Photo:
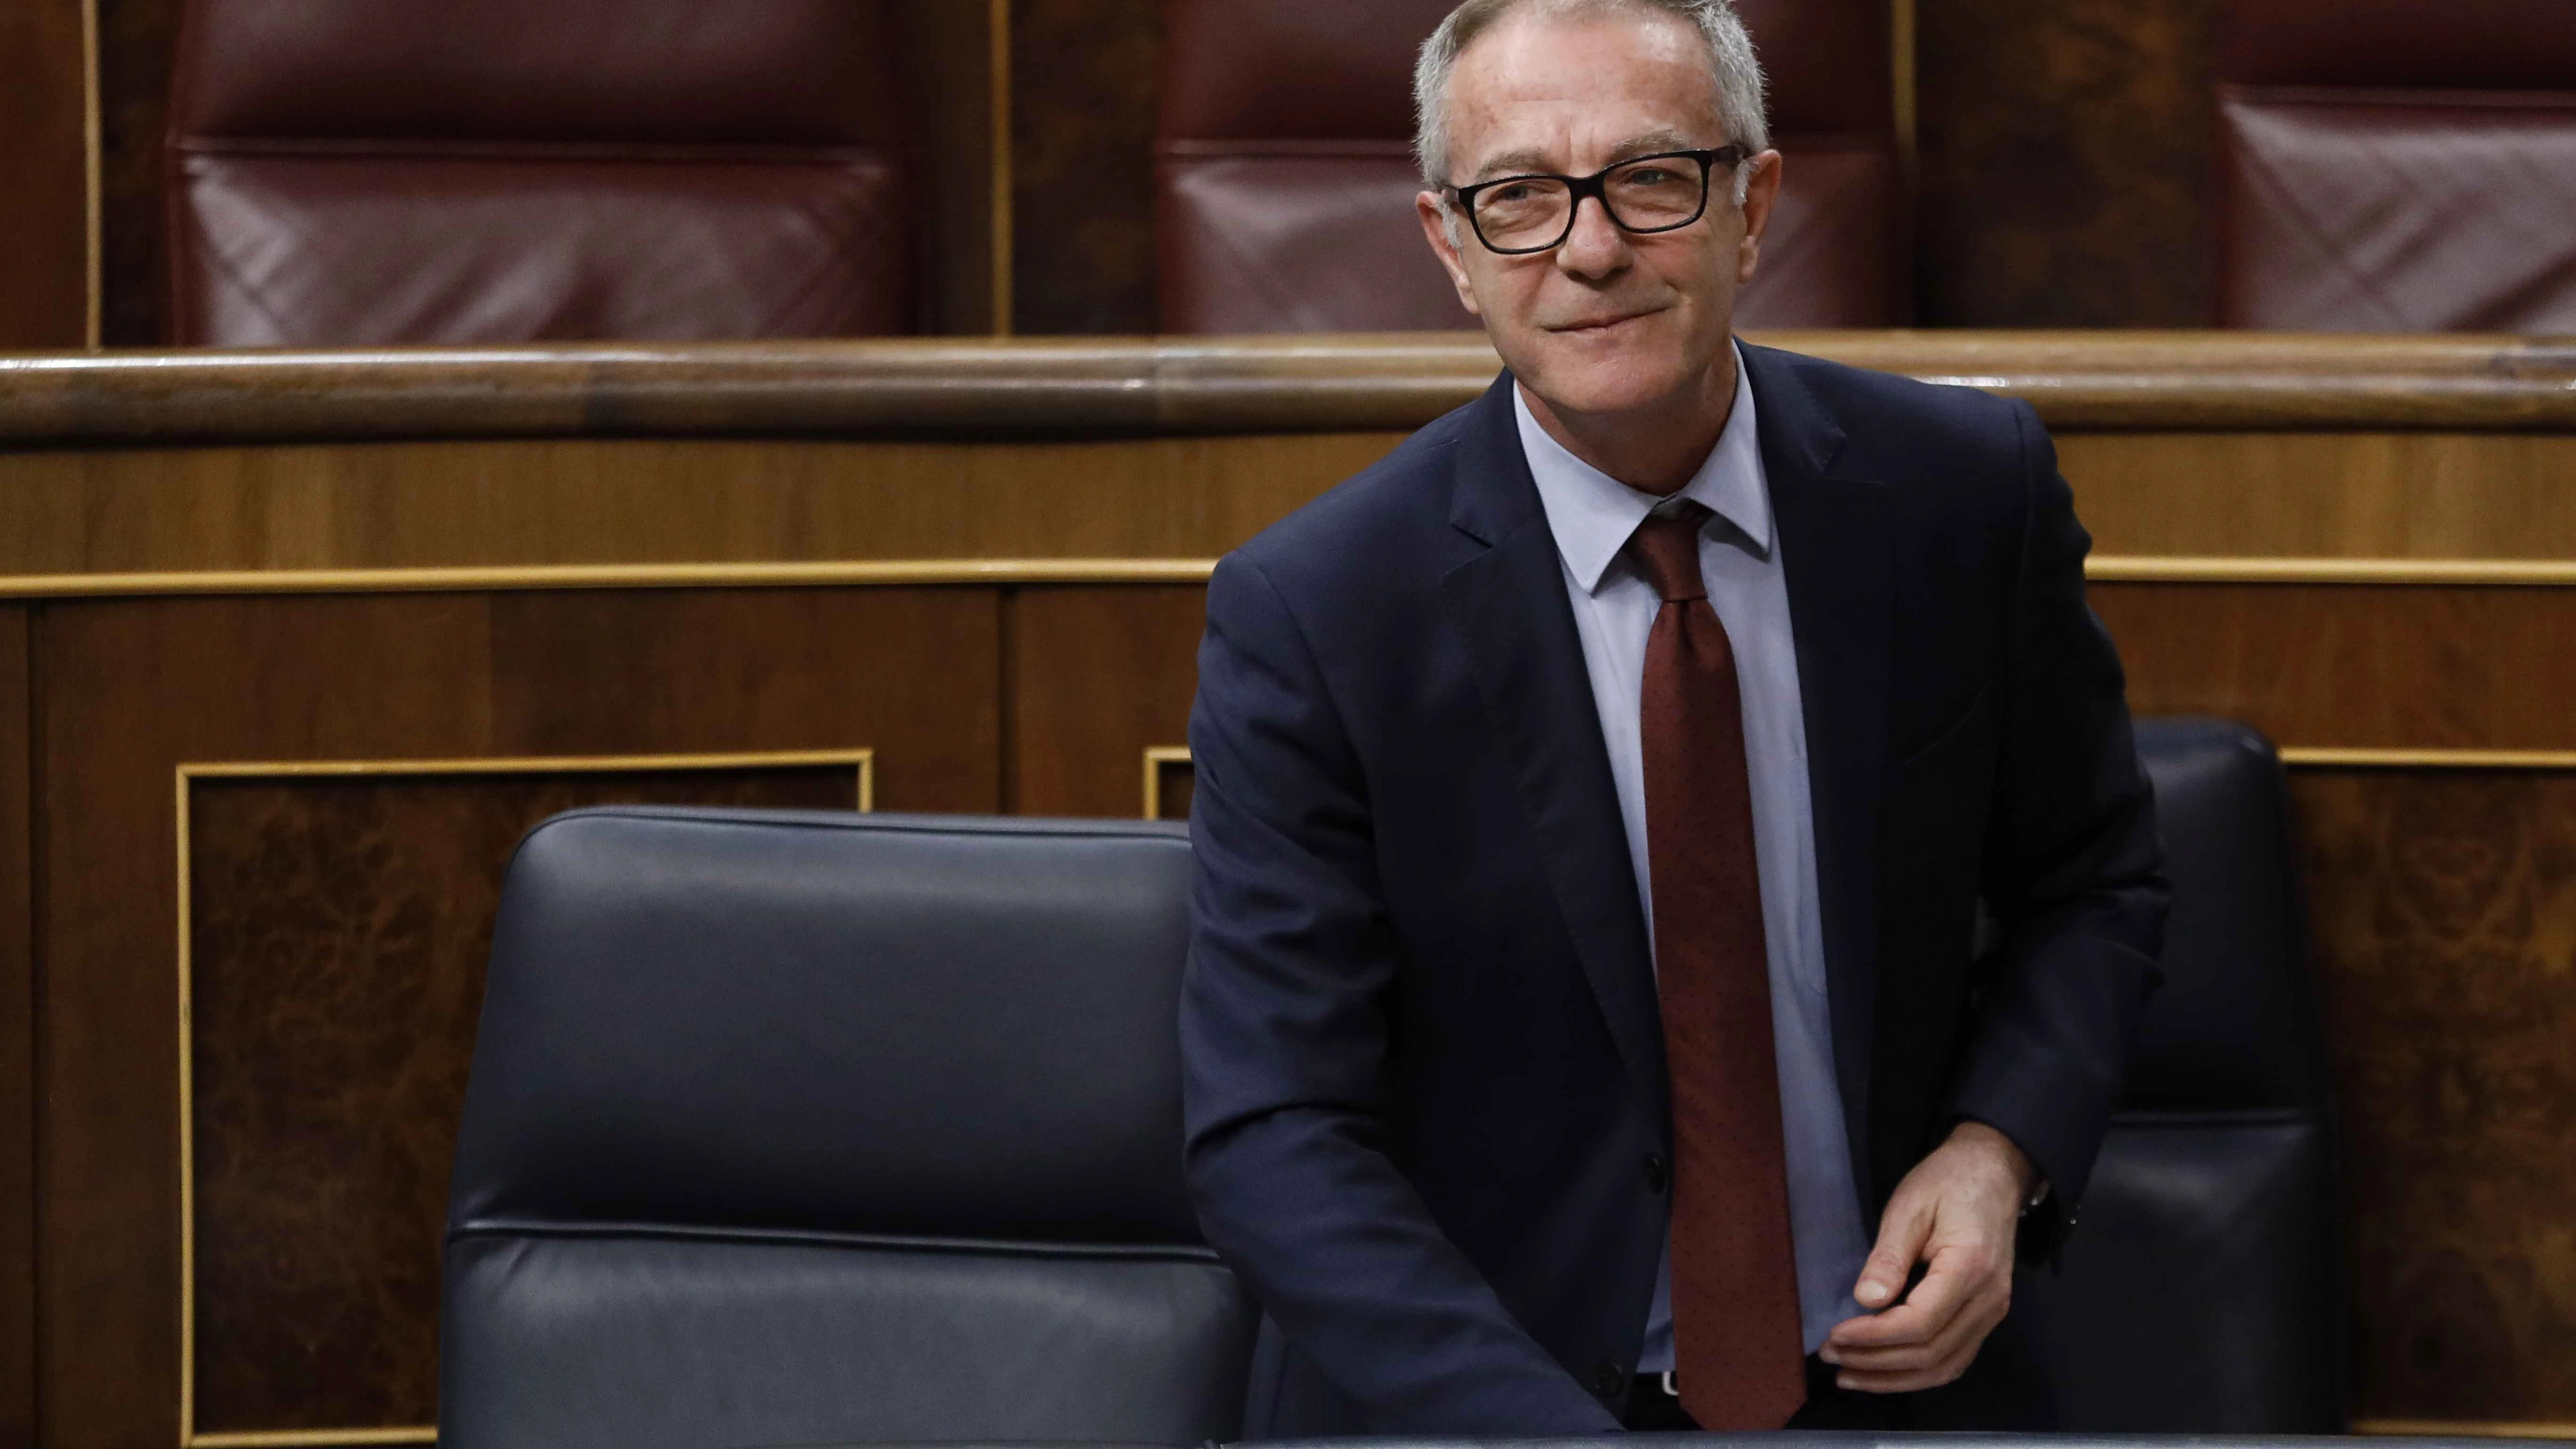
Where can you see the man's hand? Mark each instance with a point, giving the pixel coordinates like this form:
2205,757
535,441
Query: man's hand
1955,1212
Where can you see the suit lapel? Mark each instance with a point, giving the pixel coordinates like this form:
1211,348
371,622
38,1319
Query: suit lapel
1837,546
1508,603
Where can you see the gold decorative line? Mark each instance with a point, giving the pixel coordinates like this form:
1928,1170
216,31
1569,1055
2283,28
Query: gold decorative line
187,1140
615,576
2467,1428
1156,757
286,1438
2109,568
2147,568
862,760
2328,758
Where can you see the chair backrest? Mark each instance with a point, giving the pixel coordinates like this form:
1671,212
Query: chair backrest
1285,178
458,171
2398,165
791,1128
2199,1291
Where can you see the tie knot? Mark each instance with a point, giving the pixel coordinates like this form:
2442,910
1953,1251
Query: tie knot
1667,548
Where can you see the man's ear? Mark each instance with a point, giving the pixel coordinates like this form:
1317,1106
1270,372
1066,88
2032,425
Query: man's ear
1435,229
1761,192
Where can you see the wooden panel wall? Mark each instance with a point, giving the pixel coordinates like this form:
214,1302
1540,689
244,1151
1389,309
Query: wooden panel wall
44,175
909,673
2443,903
2067,162
335,979
136,40
1083,97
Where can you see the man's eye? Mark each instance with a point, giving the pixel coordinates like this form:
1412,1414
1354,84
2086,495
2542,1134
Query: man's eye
1649,176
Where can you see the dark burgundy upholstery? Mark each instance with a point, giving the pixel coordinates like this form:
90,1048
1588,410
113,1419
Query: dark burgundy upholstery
2399,165
497,171
1286,180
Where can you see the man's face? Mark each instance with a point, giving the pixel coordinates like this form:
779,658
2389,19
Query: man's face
1608,322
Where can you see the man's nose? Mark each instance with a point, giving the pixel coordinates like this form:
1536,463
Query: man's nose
1595,247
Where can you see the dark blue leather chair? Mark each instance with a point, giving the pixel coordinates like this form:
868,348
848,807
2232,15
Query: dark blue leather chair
796,1128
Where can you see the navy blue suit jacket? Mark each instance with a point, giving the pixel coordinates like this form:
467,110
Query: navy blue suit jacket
1423,1067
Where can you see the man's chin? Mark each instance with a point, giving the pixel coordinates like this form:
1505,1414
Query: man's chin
1579,381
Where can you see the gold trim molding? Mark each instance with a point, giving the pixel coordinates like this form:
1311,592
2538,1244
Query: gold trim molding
297,1438
861,761
1156,757
2152,569
512,577
2317,757
2109,568
2466,1428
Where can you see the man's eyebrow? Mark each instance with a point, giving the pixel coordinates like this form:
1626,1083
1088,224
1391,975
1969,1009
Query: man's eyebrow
1649,144
1512,163
1523,163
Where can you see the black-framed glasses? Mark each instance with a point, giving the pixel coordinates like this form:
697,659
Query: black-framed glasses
1518,215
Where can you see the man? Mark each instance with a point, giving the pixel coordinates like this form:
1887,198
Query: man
1595,805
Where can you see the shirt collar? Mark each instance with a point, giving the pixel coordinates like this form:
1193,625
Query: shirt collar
1592,514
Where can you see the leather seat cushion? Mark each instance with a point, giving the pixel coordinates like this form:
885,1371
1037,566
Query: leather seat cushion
2400,211
600,1339
340,249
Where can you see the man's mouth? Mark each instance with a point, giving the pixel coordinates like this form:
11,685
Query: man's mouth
1599,324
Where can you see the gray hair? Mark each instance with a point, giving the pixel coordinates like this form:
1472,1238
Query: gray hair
1731,62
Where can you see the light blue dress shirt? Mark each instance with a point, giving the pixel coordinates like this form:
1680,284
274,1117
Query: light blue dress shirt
1592,516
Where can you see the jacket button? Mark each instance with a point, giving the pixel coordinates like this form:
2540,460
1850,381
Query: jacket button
1609,1378
1658,1172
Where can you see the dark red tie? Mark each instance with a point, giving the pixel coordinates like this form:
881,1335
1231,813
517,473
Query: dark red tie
1740,1361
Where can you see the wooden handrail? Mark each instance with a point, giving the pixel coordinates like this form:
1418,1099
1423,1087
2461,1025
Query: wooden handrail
1094,387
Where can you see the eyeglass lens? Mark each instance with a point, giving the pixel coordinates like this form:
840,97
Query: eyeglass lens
1653,194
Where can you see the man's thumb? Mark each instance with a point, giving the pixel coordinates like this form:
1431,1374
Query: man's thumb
1900,1242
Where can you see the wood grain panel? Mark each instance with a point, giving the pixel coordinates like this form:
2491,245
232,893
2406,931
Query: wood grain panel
636,501
340,935
949,93
44,175
1098,676
2067,155
2326,495
2443,905
620,501
132,688
1083,96
137,40
912,673
17,1041
2355,666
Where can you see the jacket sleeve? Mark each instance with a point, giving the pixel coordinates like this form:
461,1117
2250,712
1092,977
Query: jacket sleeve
1283,1046
2072,871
